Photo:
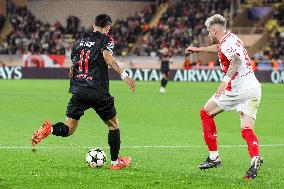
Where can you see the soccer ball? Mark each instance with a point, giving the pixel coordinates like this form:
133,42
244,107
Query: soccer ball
96,158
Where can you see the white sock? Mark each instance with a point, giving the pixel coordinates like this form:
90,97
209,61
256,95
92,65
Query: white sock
114,162
253,159
213,155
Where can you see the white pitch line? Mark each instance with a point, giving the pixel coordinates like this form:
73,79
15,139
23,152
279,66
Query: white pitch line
150,146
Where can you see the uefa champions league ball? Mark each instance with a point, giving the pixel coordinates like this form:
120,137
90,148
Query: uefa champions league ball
96,158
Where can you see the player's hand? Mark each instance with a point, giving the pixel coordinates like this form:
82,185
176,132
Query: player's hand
191,49
71,72
130,83
221,89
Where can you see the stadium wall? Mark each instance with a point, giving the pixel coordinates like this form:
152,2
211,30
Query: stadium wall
86,10
193,75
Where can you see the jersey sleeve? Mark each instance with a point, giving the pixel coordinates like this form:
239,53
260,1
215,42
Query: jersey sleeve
231,47
108,44
74,54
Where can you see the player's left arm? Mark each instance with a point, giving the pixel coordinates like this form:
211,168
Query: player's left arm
110,60
235,63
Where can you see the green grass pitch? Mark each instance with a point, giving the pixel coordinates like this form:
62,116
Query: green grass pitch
161,132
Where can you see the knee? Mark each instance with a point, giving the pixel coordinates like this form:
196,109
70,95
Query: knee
204,114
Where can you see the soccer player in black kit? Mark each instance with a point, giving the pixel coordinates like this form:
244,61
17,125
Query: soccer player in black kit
165,59
89,85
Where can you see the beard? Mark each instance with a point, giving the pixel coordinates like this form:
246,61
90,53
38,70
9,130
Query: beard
214,40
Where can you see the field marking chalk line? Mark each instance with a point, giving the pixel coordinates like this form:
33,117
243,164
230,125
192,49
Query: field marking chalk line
134,146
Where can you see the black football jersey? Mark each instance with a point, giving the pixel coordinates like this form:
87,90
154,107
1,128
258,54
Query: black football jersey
165,61
89,70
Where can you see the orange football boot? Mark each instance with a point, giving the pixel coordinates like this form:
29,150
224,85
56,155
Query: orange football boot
41,133
123,162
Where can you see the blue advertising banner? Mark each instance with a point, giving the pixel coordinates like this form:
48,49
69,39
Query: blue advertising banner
193,75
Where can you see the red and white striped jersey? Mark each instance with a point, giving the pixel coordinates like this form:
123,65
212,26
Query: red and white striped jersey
244,79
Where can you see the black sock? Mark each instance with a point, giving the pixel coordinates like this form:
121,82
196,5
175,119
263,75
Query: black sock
162,82
114,143
165,83
60,129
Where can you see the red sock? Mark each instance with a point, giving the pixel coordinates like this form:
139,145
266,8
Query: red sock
252,141
209,130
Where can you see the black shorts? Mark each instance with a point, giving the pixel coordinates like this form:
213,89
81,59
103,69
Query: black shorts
103,107
165,68
165,71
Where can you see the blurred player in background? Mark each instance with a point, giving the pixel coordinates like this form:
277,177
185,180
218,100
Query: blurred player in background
239,90
165,59
187,64
89,85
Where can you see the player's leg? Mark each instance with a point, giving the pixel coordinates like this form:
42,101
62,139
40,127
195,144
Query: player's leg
107,112
67,129
247,131
75,110
207,114
113,138
248,111
248,134
163,82
114,144
57,129
248,116
166,78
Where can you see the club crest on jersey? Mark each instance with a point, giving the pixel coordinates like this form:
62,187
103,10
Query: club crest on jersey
87,43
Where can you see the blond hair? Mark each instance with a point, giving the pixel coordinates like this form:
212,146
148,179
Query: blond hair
215,19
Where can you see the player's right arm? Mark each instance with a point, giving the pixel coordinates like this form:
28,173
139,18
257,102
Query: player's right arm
110,60
209,49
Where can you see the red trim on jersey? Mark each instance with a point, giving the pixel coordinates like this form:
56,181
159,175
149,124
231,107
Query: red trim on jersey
224,62
228,34
229,87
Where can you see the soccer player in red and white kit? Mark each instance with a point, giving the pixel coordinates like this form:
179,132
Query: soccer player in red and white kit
239,90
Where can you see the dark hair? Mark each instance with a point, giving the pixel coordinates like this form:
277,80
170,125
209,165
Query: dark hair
103,20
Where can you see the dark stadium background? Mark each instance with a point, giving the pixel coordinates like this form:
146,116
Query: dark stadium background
37,33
